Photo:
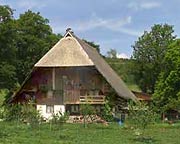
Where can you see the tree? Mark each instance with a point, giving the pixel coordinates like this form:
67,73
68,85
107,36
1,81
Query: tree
167,90
7,48
148,55
7,35
23,42
87,111
7,76
140,117
6,13
35,38
112,53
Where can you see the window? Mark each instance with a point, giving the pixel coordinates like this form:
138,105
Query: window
49,94
49,109
74,108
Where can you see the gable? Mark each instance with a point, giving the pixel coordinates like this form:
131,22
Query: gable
67,52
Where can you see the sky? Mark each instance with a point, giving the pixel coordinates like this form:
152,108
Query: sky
113,24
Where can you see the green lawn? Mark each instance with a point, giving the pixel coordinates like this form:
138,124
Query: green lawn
12,133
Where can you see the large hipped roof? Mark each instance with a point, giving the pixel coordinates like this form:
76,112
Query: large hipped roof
72,51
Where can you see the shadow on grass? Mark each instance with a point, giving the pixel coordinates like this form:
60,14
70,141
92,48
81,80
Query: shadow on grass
145,140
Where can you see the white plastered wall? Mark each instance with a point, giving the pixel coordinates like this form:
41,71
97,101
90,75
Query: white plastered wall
57,108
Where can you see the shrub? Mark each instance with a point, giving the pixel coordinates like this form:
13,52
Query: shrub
87,111
140,117
1,113
30,115
25,113
59,118
12,112
106,113
3,94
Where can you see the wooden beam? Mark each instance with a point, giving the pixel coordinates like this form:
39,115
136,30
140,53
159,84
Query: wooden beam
53,78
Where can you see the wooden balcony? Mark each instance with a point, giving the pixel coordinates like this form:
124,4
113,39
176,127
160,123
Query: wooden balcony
92,99
74,97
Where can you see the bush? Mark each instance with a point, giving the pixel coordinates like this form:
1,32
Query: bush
59,118
3,94
1,113
106,114
25,113
30,115
12,112
87,111
140,117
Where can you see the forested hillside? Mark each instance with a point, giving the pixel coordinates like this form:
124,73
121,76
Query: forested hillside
123,68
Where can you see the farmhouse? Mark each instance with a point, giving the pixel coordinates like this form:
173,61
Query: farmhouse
69,74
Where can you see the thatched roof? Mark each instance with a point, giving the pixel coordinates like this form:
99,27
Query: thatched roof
67,52
72,51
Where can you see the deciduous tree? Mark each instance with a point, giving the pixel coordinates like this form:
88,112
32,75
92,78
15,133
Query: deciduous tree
35,38
23,42
149,52
112,53
7,48
167,90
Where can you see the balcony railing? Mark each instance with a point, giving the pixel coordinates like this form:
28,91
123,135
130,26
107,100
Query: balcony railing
94,99
75,97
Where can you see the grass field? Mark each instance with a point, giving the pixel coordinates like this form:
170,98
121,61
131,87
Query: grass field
12,133
16,133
